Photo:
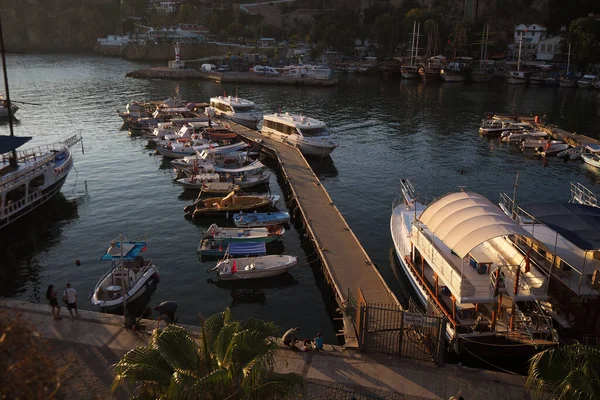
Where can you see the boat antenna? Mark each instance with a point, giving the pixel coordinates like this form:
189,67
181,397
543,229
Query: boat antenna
514,199
7,100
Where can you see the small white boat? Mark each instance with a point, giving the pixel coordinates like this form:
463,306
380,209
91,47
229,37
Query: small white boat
198,182
574,153
586,81
254,267
219,187
248,220
517,77
552,149
591,155
130,275
535,143
266,234
517,136
4,108
180,150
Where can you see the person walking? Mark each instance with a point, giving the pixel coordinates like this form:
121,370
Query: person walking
53,301
70,297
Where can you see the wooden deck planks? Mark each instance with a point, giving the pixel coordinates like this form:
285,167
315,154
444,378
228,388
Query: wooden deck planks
345,259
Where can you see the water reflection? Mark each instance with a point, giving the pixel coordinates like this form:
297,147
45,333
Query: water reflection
323,167
24,240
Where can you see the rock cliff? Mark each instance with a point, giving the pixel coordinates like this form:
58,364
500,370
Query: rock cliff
57,25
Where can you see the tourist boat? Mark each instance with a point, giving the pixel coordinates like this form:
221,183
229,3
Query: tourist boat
456,71
240,111
586,81
230,203
218,248
4,108
311,136
33,177
563,243
243,220
266,234
254,267
518,77
574,153
552,148
591,155
458,258
129,276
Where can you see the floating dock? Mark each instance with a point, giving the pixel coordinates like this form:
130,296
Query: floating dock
227,77
346,265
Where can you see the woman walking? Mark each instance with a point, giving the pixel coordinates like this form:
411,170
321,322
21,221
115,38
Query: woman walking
53,300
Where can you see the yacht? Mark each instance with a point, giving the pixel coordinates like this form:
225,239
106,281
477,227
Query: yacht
458,257
130,275
563,244
586,81
311,136
240,111
4,108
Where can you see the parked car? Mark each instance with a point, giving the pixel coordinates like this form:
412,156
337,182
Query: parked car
208,68
224,68
265,70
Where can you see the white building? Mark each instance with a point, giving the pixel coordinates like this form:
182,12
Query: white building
163,7
114,40
547,48
531,34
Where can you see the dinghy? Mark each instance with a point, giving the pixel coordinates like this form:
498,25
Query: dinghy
254,267
252,220
220,133
230,203
217,248
241,182
574,153
129,274
552,149
259,234
592,155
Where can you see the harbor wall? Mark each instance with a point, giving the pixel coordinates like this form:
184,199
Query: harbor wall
57,25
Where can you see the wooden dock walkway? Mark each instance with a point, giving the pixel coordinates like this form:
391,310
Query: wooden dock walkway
346,263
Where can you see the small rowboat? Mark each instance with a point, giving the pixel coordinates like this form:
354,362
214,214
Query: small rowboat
231,235
220,134
217,248
254,267
230,203
242,220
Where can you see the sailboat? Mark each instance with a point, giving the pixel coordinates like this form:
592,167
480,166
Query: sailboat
518,77
485,70
457,69
566,80
431,66
411,71
28,178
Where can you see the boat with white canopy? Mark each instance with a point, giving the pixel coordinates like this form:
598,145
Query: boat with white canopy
254,267
130,275
458,257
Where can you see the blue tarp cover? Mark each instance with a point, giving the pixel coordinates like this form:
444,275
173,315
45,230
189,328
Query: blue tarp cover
578,223
10,143
130,251
241,249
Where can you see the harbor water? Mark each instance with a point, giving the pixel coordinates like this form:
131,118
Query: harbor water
389,129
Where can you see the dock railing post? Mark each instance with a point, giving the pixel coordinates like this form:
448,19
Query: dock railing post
441,341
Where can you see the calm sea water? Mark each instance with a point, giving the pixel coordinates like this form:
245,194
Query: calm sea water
389,129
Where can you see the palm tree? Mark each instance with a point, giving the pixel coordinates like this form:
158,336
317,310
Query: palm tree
568,372
231,360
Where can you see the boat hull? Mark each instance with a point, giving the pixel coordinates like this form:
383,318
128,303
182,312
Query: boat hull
257,220
591,159
149,278
272,266
513,80
448,77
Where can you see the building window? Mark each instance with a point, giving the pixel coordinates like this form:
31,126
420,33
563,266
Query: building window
543,47
549,48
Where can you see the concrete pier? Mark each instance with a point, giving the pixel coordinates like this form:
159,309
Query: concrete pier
87,347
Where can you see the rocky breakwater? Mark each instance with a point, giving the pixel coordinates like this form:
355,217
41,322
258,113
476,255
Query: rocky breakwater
57,25
165,73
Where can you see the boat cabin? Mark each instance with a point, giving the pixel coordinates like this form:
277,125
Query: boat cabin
231,104
294,124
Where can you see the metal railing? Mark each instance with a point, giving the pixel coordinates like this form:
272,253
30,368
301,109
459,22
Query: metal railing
582,195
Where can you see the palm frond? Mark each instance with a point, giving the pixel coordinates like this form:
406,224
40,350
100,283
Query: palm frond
225,344
212,326
266,328
142,366
177,346
274,386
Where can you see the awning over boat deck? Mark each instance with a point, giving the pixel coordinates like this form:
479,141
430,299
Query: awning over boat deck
464,220
578,223
130,251
10,143
245,248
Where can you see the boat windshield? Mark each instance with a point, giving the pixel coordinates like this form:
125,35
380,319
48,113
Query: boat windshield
313,132
243,108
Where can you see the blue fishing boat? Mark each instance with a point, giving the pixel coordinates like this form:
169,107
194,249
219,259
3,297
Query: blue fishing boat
242,220
218,248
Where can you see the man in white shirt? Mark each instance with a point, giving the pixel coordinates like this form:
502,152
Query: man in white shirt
70,297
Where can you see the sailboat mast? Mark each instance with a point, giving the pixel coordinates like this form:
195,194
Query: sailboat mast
569,59
519,59
412,43
417,45
5,74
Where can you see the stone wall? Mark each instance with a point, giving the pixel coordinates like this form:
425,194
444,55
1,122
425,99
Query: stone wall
57,25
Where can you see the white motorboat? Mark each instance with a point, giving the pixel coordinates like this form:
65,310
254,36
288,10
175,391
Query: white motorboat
586,81
181,150
228,155
190,130
4,108
265,234
249,220
496,128
574,153
591,155
240,111
311,136
129,276
254,267
517,136
536,143
551,149
457,256
517,77
198,182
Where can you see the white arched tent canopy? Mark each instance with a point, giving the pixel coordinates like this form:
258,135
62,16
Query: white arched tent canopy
464,220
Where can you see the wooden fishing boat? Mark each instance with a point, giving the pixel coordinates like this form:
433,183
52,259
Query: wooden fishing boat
230,203
231,235
220,134
242,220
218,248
254,267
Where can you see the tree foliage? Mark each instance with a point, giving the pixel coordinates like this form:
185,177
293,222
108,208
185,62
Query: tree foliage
584,36
565,373
230,360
